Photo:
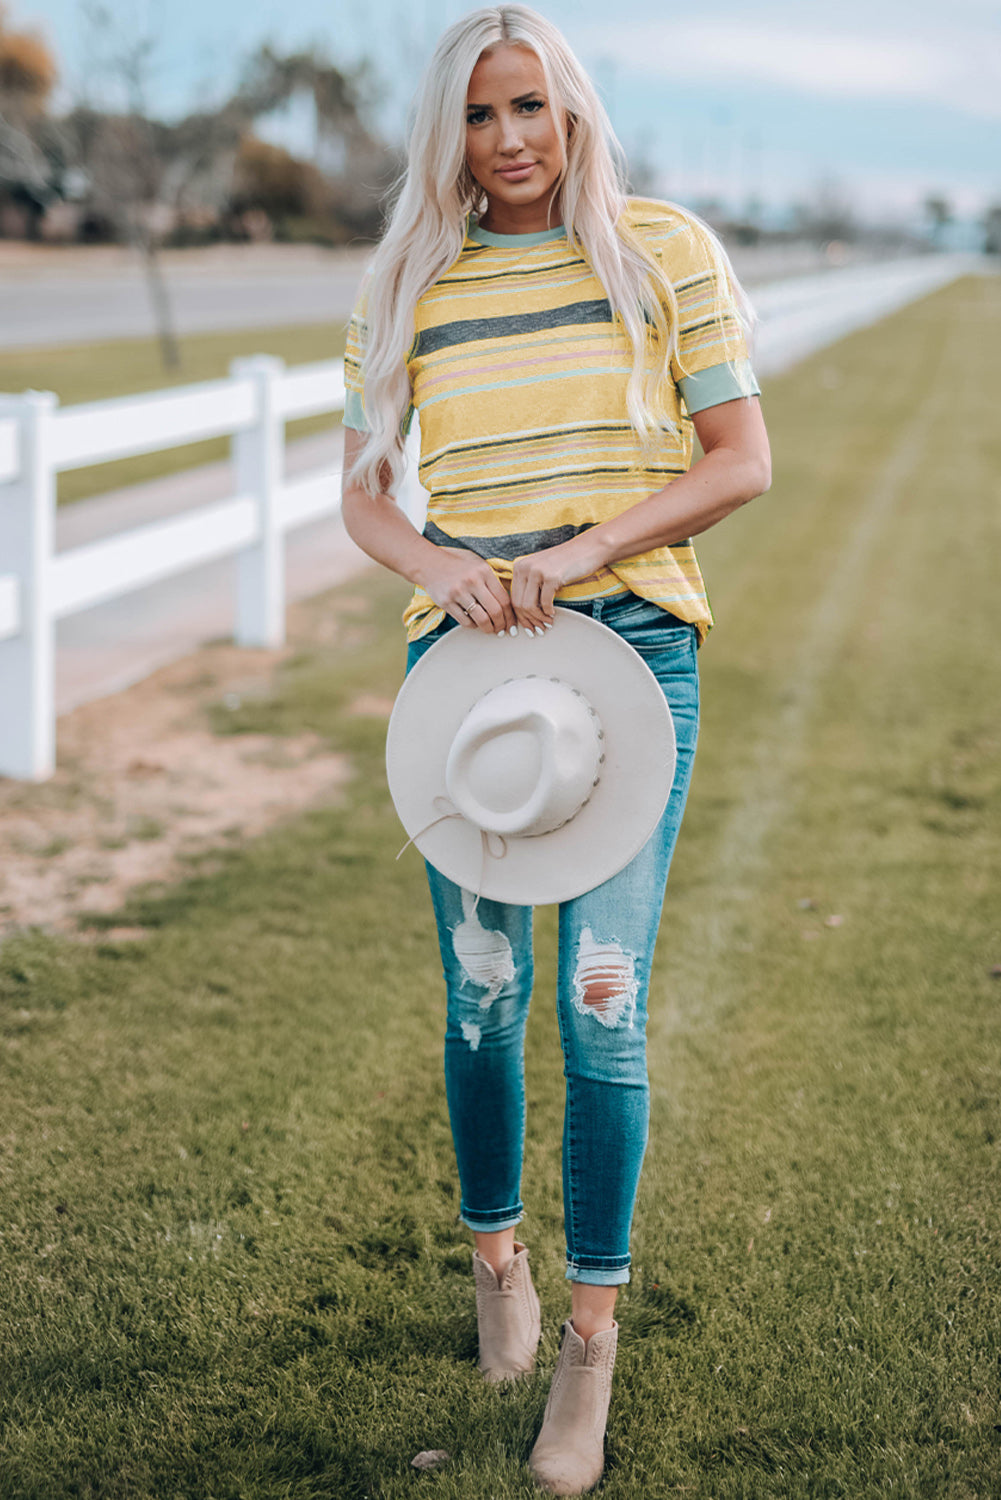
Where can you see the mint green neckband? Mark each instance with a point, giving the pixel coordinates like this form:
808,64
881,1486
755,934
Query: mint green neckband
486,237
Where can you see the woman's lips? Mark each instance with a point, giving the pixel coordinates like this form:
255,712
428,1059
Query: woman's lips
518,172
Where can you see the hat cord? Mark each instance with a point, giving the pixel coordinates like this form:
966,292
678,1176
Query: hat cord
485,836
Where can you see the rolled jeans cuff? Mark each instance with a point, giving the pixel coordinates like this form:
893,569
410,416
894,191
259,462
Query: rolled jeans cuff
601,1273
493,1220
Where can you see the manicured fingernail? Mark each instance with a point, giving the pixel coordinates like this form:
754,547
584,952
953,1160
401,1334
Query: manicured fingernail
513,630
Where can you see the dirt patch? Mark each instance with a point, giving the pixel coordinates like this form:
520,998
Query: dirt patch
371,706
143,783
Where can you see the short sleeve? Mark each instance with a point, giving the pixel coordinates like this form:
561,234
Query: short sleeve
354,357
711,364
354,361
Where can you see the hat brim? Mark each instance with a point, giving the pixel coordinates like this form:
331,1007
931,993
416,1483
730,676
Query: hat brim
626,805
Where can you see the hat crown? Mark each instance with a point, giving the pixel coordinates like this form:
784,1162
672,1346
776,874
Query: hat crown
525,758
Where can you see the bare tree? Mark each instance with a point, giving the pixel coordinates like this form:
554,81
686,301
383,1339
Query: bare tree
120,153
645,173
992,229
938,212
829,215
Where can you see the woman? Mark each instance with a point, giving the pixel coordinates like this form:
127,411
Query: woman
560,342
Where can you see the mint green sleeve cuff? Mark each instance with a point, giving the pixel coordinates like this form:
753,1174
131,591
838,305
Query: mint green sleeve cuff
718,384
354,411
354,414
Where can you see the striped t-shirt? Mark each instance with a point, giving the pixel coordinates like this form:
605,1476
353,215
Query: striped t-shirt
519,374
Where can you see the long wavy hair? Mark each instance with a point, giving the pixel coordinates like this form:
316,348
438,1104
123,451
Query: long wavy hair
437,193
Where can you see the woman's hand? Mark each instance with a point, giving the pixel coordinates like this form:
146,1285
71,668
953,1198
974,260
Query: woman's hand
458,581
467,588
735,467
537,576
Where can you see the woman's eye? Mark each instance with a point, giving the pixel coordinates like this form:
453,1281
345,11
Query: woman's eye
476,117
532,105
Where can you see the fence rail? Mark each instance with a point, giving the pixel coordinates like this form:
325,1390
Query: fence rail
38,586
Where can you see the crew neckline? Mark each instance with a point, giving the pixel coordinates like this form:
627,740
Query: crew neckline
487,236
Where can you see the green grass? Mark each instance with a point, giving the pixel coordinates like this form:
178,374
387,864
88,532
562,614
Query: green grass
126,367
229,1249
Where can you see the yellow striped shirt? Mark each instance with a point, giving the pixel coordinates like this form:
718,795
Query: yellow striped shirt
519,372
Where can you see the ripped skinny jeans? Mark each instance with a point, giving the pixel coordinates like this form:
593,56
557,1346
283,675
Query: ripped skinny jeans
606,943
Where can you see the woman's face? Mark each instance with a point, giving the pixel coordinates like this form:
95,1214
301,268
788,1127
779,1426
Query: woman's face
515,140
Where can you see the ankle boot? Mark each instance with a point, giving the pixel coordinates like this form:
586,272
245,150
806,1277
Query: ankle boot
569,1454
507,1315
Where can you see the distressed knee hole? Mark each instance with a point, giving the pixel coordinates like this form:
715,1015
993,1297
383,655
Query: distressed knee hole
485,955
605,984
472,1034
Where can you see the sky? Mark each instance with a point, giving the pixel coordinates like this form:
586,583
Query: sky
880,101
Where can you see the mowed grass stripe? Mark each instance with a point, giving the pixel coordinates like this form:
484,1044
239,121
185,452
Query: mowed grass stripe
811,629
197,1308
805,1169
814,644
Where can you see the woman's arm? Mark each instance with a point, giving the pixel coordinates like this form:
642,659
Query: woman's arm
458,581
736,466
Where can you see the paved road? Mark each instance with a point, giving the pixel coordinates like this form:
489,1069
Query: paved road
101,650
75,299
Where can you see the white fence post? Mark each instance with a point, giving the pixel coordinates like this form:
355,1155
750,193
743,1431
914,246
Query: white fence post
27,523
258,453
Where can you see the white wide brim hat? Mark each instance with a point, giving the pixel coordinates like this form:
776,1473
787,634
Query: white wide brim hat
531,769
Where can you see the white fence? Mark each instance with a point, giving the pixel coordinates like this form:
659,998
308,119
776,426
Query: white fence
39,586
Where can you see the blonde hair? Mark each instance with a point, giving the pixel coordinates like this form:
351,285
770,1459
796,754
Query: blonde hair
436,194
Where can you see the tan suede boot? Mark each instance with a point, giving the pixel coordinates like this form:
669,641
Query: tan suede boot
507,1315
569,1453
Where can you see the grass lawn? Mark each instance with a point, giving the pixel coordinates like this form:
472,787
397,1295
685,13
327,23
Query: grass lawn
125,367
229,1252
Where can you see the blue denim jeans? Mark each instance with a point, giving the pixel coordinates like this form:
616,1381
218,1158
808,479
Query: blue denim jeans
606,942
